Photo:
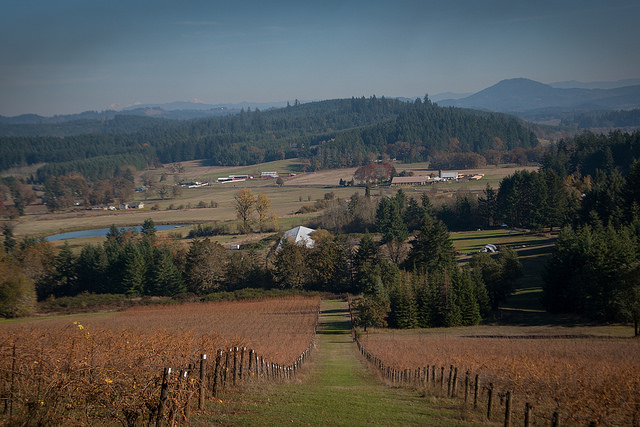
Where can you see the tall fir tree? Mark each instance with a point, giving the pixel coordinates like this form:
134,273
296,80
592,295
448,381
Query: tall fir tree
431,250
166,278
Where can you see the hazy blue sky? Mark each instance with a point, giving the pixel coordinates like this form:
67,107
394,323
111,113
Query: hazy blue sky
63,56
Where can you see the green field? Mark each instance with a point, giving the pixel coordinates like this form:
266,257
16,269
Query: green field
533,250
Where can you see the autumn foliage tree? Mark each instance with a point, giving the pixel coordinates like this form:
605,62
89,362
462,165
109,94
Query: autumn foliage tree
262,206
17,293
374,172
244,201
206,266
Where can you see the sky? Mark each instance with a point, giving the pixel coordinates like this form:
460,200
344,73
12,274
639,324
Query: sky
69,56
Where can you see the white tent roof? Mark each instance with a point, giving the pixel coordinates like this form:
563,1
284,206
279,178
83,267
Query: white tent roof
299,235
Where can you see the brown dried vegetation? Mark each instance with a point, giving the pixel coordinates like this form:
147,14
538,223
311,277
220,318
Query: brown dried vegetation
109,368
583,379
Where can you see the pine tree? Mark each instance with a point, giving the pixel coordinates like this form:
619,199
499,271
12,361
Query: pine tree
9,241
402,306
92,265
423,298
449,312
488,206
133,276
148,228
469,307
166,279
432,249
65,276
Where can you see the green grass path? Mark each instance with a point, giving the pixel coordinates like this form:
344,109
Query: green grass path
337,390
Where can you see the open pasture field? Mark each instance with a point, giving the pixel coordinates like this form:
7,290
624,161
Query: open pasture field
111,364
533,250
297,191
473,241
582,376
492,175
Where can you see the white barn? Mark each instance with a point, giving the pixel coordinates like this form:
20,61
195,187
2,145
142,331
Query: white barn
299,235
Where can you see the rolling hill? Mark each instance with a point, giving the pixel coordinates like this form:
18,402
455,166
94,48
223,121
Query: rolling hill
523,97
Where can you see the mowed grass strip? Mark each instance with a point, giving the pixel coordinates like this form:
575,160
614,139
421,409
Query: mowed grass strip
338,389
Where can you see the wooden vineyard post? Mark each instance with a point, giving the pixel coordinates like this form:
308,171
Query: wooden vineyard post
441,378
187,406
449,380
455,381
225,369
235,365
216,371
527,414
466,387
163,395
507,411
475,391
252,355
555,420
490,397
241,362
425,374
203,364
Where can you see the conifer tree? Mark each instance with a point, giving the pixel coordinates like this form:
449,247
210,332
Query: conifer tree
488,206
133,275
402,306
423,297
92,269
65,276
166,279
148,228
469,307
449,313
432,249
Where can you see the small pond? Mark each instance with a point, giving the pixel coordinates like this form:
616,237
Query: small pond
102,232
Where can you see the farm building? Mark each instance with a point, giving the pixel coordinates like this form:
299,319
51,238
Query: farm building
410,180
236,178
448,176
268,174
299,235
132,205
193,184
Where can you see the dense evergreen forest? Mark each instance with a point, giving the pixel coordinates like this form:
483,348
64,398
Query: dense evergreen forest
588,187
603,119
335,133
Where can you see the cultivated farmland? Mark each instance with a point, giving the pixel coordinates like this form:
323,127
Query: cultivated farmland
580,377
90,369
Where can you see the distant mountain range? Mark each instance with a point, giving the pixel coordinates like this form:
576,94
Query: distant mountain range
595,85
529,99
178,110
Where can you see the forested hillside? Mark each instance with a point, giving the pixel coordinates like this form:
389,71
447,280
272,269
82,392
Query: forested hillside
335,133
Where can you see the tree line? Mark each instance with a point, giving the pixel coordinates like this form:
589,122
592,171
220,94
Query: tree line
405,282
328,134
